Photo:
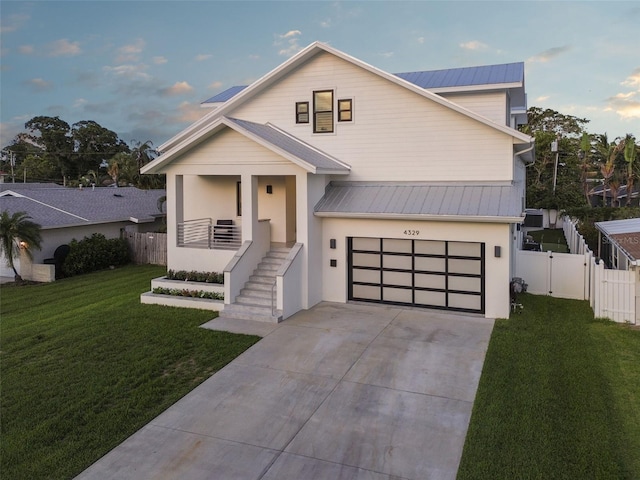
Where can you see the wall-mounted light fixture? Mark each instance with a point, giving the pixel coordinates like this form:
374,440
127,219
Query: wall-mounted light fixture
497,251
23,245
269,189
332,243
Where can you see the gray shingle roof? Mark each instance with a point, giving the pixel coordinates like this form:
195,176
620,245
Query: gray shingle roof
292,145
408,199
55,207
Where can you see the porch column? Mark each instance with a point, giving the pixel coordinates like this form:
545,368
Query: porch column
174,206
249,206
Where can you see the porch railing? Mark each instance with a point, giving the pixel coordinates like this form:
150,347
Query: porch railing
203,233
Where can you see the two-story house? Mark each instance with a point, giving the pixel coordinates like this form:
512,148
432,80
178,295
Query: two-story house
330,180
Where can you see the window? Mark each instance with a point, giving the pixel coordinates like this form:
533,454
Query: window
302,112
345,110
323,111
239,199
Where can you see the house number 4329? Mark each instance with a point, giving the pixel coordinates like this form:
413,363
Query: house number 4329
412,233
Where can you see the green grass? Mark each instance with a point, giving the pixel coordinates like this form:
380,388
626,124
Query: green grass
551,240
559,398
85,365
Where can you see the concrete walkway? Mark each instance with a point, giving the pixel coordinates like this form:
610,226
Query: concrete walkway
338,392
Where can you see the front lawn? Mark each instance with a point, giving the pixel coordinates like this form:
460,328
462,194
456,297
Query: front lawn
559,398
85,365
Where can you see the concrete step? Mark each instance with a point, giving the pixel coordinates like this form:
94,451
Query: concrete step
252,312
257,293
259,278
256,285
252,301
273,260
268,267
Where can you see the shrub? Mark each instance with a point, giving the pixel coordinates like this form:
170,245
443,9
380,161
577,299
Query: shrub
95,253
188,293
193,276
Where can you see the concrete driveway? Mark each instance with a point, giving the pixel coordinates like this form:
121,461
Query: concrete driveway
336,392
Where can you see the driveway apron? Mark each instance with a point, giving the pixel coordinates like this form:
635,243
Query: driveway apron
340,391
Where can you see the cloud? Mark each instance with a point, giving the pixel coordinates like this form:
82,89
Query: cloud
131,52
542,98
79,103
627,104
38,85
254,57
326,23
14,22
420,39
215,86
128,71
63,48
202,57
189,112
26,49
633,80
159,60
549,54
387,54
288,43
474,45
178,88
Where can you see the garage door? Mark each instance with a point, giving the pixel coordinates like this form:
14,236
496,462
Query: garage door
423,273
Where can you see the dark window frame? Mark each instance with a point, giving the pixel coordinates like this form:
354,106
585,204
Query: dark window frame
317,112
300,114
239,198
343,110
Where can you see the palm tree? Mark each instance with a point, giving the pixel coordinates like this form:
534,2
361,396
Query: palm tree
608,152
630,157
17,231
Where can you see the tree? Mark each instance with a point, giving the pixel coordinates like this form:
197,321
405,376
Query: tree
94,144
630,157
17,231
608,153
548,126
52,135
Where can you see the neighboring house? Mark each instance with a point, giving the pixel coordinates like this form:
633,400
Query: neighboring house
403,189
619,243
68,213
595,196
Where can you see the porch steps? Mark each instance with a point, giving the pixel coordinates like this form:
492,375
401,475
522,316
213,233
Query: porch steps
255,299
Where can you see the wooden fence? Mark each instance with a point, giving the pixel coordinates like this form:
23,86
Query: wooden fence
611,293
147,248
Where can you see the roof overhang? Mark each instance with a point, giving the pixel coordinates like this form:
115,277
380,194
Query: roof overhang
422,217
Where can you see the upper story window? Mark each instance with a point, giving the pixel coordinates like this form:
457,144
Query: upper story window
345,110
302,112
323,111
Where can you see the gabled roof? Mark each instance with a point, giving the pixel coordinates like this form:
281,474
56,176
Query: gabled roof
192,132
56,207
278,141
484,77
439,201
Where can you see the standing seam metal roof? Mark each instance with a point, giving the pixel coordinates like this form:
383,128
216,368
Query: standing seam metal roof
421,199
447,78
291,145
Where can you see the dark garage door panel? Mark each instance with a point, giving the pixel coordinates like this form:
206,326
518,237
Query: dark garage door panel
428,273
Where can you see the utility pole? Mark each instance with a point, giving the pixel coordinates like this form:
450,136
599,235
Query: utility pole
554,148
12,162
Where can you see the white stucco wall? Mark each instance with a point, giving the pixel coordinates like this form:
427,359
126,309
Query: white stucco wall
497,275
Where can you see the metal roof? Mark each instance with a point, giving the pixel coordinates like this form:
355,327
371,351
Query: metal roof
507,73
292,145
422,199
56,207
226,95
612,227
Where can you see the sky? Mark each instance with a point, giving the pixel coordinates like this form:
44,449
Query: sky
142,68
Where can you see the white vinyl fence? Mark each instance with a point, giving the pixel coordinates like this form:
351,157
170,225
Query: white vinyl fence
611,293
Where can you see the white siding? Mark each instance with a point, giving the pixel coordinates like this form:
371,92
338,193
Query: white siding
396,134
492,105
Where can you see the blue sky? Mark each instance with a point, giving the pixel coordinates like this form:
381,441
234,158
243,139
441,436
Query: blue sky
141,68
